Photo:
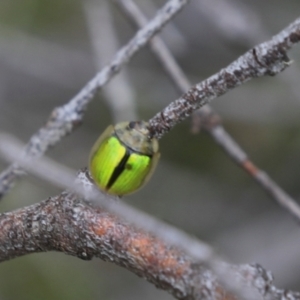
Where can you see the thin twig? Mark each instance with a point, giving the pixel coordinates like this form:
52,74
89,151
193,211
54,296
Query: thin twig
64,119
208,118
268,58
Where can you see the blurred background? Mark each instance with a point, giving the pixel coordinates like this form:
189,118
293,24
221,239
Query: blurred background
50,49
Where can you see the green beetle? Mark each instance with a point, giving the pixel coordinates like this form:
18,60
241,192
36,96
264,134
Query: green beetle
124,158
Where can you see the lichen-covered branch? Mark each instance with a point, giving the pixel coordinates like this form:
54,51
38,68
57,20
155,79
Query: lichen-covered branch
64,223
63,120
268,58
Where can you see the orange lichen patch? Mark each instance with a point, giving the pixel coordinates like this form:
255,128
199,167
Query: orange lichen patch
139,245
103,226
177,267
250,167
154,254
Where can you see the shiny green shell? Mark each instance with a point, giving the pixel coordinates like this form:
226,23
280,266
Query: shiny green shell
124,158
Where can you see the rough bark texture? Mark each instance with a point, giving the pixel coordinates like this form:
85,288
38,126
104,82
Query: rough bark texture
269,58
66,224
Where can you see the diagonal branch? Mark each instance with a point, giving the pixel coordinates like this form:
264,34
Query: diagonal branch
268,58
64,119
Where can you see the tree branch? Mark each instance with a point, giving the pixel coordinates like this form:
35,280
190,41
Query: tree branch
268,58
66,224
